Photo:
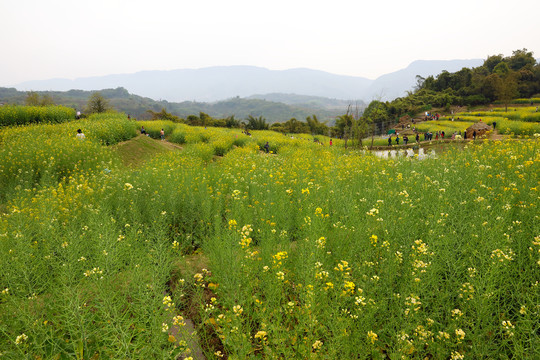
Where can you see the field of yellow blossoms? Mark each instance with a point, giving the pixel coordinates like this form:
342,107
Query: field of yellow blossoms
516,122
306,252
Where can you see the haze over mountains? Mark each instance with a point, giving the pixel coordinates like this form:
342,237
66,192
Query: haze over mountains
224,82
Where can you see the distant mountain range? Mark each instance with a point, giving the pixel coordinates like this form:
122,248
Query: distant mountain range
224,82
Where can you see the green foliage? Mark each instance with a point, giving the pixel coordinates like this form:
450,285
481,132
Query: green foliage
507,89
231,122
470,86
97,103
164,115
256,123
153,128
501,69
294,126
315,126
344,124
178,136
32,99
378,114
21,115
499,78
492,61
521,59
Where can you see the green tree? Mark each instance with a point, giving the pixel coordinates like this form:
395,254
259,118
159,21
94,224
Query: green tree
46,100
315,126
377,117
277,127
256,123
193,120
507,89
501,69
492,61
163,115
520,59
419,82
32,98
206,119
97,104
490,84
231,122
344,125
296,127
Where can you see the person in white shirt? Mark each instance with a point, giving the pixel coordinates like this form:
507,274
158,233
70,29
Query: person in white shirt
80,135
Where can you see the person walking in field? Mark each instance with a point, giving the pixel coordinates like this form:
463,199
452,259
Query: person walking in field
330,142
80,135
417,138
390,140
266,148
162,134
405,139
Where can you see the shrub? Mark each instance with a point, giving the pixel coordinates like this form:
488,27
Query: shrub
178,136
153,127
22,115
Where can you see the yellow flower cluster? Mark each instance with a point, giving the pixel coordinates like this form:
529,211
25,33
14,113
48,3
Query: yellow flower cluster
372,337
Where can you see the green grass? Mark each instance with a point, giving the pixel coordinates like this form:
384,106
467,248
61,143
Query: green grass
136,151
445,124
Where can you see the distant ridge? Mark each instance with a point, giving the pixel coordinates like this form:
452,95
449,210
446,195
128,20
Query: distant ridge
396,84
225,82
299,106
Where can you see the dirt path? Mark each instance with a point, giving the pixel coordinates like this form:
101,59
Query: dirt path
496,136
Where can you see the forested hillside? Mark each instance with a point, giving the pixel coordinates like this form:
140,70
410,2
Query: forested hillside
137,106
498,79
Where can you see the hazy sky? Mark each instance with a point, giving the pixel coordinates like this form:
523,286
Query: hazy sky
43,39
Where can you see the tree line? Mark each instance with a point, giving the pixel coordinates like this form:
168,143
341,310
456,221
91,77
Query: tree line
499,79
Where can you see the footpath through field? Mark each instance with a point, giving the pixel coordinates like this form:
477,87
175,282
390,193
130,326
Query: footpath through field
139,149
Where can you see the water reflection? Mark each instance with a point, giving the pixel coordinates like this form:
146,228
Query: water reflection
406,153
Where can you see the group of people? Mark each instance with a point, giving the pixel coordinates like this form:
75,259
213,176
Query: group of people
438,135
405,139
429,116
161,133
428,136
